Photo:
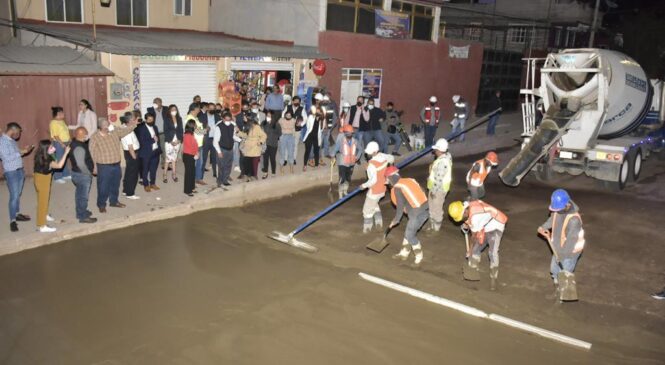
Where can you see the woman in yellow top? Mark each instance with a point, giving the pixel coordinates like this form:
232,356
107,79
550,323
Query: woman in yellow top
254,140
59,132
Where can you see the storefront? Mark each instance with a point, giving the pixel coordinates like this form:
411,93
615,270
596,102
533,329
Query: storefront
261,72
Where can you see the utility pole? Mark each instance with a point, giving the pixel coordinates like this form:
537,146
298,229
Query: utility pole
593,24
94,29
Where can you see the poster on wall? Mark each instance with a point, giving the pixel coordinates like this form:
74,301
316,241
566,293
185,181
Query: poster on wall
458,52
372,84
392,25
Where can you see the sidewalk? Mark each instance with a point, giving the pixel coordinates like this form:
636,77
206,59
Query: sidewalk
170,202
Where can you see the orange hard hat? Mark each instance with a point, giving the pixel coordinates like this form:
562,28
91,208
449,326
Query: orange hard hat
391,170
347,128
492,157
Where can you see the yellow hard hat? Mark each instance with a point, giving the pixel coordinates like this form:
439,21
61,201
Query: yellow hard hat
456,211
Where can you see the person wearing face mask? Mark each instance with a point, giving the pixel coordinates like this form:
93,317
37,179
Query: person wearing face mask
211,119
344,116
430,115
82,167
59,132
393,128
240,125
312,137
260,116
273,132
161,114
148,136
223,143
287,141
372,119
12,164
348,151
45,163
299,116
355,117
130,147
173,134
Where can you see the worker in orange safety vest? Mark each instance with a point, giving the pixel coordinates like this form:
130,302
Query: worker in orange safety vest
410,199
348,150
475,178
375,186
486,224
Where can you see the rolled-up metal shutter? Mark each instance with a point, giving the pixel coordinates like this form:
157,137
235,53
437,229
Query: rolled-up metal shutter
177,83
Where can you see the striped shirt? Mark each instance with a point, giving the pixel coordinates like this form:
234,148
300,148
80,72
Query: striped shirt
106,148
10,154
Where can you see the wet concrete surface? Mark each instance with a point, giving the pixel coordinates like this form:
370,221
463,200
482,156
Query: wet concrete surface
210,288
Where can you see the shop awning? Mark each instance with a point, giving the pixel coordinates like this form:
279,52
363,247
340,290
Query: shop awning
48,61
164,42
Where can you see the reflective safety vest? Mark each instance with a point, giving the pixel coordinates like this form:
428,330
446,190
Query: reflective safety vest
477,178
380,186
480,207
411,190
349,152
447,178
428,113
460,109
579,244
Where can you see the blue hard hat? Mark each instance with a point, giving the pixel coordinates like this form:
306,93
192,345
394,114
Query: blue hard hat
560,199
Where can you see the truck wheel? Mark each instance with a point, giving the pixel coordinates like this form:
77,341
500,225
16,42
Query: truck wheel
634,158
621,181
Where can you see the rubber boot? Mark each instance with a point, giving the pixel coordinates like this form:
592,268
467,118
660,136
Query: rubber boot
436,226
404,252
378,220
494,275
340,191
367,225
418,252
470,270
567,286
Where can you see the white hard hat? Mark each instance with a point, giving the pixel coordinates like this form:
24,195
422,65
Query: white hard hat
433,99
372,148
441,145
326,98
455,98
318,96
346,105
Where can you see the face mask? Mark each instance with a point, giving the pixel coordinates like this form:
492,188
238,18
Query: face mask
174,113
370,107
295,105
255,111
345,110
227,122
51,150
111,127
432,104
348,136
155,106
359,103
390,109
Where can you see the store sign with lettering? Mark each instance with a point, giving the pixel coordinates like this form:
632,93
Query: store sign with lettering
179,58
263,59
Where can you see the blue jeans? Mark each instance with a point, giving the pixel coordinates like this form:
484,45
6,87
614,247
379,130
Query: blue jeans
430,133
458,126
287,148
199,165
82,182
64,172
325,145
491,125
395,138
377,135
15,180
568,264
236,154
108,184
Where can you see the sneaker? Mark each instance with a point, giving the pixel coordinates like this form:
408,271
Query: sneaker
47,229
659,296
236,169
49,218
67,177
13,226
134,197
60,181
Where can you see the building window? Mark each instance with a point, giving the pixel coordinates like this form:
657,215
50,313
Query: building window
356,16
421,18
64,11
517,34
132,12
473,32
183,7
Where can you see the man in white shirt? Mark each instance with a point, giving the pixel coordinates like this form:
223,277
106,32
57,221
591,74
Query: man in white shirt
375,185
130,147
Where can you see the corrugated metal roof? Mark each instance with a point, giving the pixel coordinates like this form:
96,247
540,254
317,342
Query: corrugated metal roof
147,42
20,60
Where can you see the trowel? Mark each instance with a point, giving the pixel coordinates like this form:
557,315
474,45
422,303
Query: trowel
379,244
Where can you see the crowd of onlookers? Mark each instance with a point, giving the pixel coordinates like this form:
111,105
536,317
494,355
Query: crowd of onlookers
263,136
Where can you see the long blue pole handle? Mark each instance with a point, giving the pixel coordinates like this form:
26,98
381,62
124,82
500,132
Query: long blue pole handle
404,163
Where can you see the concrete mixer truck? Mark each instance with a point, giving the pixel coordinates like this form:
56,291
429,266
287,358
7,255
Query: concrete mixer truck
602,117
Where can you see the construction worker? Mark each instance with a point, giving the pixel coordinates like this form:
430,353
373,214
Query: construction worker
563,230
375,185
348,151
408,197
430,115
461,112
438,182
486,224
475,178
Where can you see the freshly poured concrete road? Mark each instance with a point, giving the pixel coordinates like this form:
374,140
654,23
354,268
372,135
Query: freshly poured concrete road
207,289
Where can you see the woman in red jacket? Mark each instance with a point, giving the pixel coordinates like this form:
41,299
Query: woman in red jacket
190,154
